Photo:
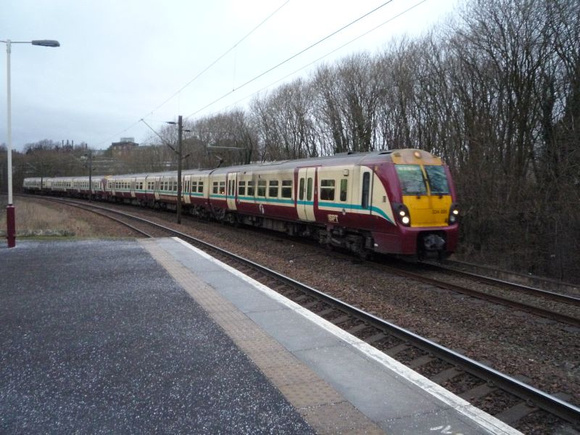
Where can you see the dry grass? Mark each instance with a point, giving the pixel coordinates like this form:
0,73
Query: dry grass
35,219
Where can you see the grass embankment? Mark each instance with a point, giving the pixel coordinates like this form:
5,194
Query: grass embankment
37,219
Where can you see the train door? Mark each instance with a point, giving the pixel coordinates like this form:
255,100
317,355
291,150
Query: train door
186,189
156,188
305,197
366,193
231,183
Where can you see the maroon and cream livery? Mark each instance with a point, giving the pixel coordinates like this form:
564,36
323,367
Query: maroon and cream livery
394,202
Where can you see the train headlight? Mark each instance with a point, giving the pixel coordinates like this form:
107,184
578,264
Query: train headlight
402,213
453,214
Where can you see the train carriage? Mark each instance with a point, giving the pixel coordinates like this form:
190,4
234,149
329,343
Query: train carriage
33,184
196,192
396,202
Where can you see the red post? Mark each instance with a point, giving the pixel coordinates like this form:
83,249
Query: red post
10,226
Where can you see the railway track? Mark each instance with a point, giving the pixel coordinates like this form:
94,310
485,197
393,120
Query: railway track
508,398
518,287
562,308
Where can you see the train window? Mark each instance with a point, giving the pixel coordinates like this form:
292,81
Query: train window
301,193
286,188
343,189
194,186
242,188
327,190
411,179
437,180
261,187
200,187
222,187
215,188
309,190
366,188
250,188
273,189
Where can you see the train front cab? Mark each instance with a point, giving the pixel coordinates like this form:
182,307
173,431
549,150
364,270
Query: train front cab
424,207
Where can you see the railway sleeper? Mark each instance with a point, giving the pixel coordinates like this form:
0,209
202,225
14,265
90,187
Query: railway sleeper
397,349
447,375
421,361
478,392
516,413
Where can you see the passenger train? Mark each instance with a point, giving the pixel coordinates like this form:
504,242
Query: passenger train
400,202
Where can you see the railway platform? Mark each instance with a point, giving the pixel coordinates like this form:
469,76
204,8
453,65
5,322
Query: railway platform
150,336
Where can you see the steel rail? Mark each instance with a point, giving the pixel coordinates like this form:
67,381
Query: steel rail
574,321
546,294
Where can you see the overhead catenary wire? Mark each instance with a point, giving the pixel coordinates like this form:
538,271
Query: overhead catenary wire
284,61
217,59
327,54
265,20
292,57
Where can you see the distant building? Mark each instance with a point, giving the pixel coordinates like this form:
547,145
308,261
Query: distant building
124,147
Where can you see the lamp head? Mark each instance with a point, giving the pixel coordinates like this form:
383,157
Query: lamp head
46,43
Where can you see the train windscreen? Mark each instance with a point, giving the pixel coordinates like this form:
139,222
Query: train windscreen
411,179
413,182
437,180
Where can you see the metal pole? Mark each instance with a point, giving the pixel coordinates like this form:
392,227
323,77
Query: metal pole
90,175
10,211
179,152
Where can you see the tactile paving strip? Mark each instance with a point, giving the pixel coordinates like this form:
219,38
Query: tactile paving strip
323,408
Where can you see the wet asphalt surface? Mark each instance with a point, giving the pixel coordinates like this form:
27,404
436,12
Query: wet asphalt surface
96,337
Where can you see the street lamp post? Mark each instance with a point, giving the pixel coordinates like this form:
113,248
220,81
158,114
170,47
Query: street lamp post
10,211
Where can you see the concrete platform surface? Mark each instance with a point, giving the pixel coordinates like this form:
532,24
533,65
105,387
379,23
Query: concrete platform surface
156,336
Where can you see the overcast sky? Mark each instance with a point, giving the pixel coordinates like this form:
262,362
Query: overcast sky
125,60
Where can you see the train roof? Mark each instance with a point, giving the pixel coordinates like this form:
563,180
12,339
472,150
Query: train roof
397,156
405,156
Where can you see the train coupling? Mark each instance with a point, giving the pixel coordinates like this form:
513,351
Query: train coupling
433,242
